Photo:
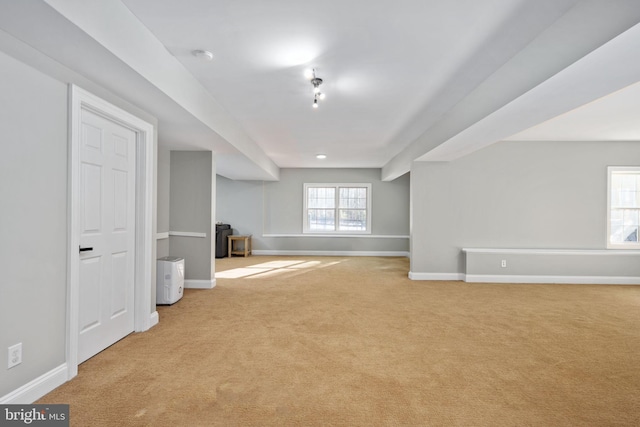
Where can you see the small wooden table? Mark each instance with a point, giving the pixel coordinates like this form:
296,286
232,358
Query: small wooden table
233,250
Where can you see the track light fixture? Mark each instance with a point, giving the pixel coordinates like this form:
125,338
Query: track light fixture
316,82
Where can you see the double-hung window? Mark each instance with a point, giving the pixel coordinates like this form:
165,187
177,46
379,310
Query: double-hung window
623,216
337,208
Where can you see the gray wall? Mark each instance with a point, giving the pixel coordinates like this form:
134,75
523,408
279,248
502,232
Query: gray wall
192,189
34,218
33,221
164,180
537,195
275,207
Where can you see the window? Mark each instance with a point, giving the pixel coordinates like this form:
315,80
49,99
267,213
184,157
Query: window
623,216
337,208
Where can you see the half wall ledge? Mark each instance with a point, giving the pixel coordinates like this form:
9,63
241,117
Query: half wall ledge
579,266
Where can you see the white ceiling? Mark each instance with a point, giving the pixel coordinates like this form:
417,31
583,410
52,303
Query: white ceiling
380,61
404,79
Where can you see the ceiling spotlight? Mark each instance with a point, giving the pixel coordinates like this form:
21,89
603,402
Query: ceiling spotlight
203,54
316,82
321,156
308,73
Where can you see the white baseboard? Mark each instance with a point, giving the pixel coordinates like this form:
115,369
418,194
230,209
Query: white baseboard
486,278
200,284
436,276
579,280
331,253
37,388
154,319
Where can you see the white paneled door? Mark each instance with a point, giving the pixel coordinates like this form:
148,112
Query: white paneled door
106,233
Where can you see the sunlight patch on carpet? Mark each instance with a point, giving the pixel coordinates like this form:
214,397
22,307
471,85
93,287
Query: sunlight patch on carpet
238,273
273,268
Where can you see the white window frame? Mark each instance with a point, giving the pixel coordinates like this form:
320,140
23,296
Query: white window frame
611,170
337,186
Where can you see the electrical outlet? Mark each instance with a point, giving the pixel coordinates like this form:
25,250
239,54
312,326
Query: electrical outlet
14,355
503,264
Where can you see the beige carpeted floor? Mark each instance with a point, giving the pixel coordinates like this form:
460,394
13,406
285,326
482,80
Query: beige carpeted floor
336,341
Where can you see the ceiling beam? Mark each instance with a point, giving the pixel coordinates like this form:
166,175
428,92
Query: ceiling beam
111,27
581,30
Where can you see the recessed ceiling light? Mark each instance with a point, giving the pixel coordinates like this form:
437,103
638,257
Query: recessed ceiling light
203,54
321,156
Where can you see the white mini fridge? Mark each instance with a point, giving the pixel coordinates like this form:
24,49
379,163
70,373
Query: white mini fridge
169,279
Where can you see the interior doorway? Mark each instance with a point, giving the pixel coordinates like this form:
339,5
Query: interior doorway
90,304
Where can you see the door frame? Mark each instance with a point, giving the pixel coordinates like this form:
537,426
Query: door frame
80,99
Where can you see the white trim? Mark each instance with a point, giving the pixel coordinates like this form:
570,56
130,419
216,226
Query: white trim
599,252
610,170
200,284
187,234
330,253
579,280
365,236
37,388
436,276
80,99
154,319
161,236
145,208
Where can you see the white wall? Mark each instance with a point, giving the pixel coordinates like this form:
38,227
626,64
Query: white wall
269,210
33,221
531,195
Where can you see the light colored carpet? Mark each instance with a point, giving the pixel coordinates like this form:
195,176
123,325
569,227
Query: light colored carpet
336,341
